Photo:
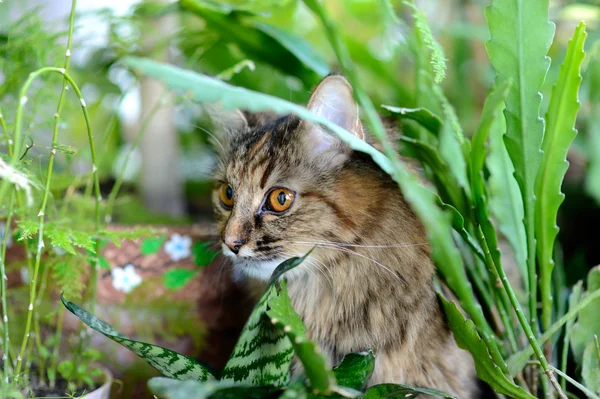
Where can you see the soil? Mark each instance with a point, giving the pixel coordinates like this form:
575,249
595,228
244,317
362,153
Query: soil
61,389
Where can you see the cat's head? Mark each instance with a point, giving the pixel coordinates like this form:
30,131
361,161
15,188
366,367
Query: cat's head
283,185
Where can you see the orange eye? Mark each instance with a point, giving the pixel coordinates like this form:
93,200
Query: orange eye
226,195
280,200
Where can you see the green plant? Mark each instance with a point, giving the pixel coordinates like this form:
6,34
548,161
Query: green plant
468,180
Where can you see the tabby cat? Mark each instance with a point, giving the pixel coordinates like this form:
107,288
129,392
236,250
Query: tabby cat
284,186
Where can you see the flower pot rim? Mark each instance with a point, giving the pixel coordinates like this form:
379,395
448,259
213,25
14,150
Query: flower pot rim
105,387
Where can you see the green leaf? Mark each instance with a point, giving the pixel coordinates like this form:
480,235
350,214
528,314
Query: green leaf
208,90
152,245
203,255
590,369
588,323
175,279
505,201
282,315
283,51
521,35
174,389
170,364
422,116
297,46
399,391
355,370
263,353
560,132
286,266
467,338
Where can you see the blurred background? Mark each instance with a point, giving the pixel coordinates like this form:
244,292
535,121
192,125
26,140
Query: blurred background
154,143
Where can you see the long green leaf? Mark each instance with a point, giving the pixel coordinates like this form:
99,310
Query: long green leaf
170,364
560,132
205,89
506,203
521,35
493,103
282,315
467,338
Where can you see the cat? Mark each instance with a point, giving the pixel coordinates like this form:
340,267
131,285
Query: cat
284,186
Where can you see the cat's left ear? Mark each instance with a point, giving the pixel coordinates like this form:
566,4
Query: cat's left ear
333,101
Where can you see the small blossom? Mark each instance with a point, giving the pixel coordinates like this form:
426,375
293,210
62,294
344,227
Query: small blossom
125,279
179,247
3,230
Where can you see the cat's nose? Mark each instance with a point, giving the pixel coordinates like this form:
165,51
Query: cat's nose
234,244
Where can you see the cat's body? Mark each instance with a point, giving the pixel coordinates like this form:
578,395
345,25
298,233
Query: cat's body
286,186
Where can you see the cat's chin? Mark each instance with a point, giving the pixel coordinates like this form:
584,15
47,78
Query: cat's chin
255,269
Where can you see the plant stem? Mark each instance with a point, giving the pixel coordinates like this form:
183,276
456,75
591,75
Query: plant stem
5,337
18,124
522,319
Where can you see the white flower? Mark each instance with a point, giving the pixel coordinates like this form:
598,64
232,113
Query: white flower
179,247
3,230
125,279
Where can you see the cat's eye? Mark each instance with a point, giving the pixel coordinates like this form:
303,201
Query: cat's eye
226,195
279,200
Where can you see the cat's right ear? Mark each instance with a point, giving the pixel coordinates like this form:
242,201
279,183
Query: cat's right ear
226,124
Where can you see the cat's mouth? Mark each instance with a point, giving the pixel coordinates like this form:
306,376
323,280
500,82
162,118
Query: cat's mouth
249,264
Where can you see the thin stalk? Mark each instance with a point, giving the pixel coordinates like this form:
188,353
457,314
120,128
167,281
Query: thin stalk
400,173
597,347
577,385
5,335
523,320
18,128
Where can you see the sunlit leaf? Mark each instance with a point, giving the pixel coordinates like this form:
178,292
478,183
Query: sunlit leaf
355,369
152,245
422,116
175,279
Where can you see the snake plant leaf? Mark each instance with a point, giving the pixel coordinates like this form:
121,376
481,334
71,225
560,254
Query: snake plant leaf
263,353
505,201
590,368
205,89
560,132
170,364
282,315
288,53
355,369
422,116
174,389
588,322
399,391
468,338
521,35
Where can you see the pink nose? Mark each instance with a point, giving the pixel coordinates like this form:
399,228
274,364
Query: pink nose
234,244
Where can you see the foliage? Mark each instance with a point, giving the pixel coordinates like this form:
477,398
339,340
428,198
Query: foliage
493,143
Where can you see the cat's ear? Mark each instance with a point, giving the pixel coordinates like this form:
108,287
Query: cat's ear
333,101
226,125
